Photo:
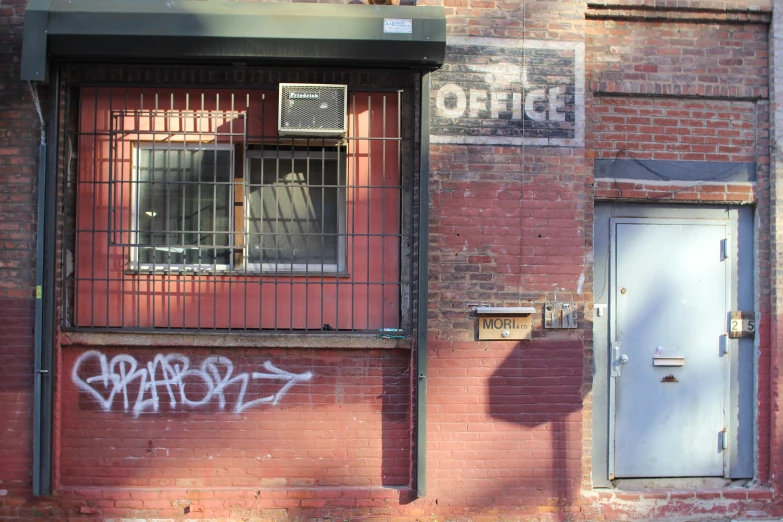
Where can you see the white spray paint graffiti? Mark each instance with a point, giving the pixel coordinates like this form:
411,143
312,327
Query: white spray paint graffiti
170,372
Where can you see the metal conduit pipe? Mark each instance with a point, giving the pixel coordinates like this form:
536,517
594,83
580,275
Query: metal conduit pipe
44,299
421,325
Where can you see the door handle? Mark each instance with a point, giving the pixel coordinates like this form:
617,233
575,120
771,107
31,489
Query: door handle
617,359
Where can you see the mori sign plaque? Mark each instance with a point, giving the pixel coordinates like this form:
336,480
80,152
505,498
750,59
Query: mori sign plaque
505,91
505,328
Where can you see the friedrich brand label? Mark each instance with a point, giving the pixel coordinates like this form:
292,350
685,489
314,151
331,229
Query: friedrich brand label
398,25
504,91
303,95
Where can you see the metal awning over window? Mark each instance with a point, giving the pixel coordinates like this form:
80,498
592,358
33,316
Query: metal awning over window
214,31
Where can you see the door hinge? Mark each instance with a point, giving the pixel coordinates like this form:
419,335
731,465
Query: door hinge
724,344
724,249
724,439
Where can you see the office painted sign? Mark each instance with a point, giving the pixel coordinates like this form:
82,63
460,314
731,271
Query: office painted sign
500,91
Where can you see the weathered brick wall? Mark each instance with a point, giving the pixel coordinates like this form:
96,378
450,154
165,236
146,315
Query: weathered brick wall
235,418
684,5
673,129
511,224
19,135
507,228
505,424
16,418
678,59
770,420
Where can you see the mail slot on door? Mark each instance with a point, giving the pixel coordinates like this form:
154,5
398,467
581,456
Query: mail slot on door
668,361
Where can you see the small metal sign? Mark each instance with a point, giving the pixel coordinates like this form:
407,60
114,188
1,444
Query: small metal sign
560,315
293,95
505,328
742,324
398,25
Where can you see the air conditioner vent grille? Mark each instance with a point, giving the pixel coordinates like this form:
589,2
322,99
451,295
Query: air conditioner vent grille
312,110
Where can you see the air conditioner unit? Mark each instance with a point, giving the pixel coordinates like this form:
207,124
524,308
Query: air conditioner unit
308,109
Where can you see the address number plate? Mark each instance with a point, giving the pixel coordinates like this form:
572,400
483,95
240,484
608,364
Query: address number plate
505,328
742,324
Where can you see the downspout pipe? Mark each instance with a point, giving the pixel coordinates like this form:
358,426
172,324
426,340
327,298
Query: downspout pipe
38,366
45,268
423,297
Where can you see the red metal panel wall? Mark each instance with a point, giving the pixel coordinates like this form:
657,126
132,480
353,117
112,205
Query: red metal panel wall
108,296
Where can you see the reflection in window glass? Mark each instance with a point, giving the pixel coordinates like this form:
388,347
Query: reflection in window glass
183,210
294,211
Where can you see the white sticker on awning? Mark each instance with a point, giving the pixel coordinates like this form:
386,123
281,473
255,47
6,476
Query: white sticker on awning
398,25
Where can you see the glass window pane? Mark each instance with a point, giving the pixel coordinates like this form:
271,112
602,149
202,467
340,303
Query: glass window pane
184,204
293,214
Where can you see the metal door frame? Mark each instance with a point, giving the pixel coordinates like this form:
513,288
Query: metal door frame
612,310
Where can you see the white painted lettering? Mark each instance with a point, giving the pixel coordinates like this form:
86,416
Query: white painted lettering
516,106
532,97
478,102
460,103
497,103
174,374
555,103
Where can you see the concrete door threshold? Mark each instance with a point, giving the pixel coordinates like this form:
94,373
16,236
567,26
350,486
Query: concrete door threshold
669,492
683,483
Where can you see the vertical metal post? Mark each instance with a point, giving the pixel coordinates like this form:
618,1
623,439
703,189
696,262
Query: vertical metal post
39,271
421,326
45,283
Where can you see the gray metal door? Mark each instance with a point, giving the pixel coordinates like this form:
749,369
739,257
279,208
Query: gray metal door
669,385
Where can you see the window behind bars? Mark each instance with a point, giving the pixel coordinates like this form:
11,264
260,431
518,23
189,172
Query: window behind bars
191,212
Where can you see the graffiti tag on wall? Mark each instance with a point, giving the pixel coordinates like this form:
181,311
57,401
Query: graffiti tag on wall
172,379
503,91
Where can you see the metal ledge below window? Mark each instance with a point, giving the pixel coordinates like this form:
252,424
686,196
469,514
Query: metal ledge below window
231,272
234,339
216,31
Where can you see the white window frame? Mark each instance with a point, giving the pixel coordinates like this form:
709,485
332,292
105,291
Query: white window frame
314,154
180,267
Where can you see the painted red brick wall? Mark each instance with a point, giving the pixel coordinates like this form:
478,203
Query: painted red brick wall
346,423
17,319
505,423
19,134
508,227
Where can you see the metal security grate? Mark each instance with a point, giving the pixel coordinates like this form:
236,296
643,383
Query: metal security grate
309,109
185,209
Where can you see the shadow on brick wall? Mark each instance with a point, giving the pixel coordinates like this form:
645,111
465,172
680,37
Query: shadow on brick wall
538,389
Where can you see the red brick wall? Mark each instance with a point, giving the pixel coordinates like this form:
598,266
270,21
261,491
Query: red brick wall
347,423
678,59
673,129
770,420
19,134
505,423
508,227
509,422
17,318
